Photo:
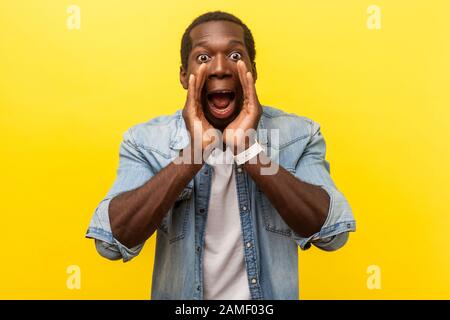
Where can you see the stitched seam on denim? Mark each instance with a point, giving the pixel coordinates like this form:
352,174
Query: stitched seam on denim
165,230
334,230
288,115
203,231
183,232
243,183
286,144
340,226
148,148
101,233
241,217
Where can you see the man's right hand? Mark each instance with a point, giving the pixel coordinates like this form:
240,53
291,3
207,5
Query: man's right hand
135,214
196,123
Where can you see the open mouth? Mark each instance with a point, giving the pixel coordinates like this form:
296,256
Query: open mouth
221,103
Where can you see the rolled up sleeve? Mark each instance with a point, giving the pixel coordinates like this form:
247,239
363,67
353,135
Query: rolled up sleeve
314,169
133,172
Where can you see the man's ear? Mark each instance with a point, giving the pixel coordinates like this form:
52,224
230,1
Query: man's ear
255,73
183,78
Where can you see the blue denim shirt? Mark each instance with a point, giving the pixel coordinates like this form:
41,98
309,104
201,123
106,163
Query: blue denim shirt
270,245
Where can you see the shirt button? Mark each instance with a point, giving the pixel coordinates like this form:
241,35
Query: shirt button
239,169
202,210
198,249
253,280
198,288
249,244
244,208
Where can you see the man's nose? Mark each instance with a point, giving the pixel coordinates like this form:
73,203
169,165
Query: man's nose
219,68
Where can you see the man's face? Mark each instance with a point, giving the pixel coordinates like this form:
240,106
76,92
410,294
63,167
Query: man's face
218,44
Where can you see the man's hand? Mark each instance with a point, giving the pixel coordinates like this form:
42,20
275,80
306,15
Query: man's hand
238,134
135,214
196,123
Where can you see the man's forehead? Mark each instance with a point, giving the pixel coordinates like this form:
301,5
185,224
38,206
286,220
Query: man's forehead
215,30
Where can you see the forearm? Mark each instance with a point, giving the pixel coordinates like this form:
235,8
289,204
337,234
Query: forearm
135,215
303,206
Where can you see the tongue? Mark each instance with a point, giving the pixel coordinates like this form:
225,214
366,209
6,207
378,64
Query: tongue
220,100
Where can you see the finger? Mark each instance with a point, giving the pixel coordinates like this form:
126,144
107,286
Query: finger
191,91
242,78
200,82
253,99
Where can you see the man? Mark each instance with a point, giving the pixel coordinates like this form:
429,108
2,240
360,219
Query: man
228,221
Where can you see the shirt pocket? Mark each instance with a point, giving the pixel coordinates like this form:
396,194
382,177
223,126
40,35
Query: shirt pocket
174,223
272,219
288,155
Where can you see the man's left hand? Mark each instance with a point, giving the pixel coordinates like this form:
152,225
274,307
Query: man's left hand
238,135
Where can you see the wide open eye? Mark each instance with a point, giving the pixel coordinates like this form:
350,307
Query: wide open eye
235,56
203,58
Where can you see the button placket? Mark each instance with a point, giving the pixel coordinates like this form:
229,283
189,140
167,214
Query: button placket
248,236
202,200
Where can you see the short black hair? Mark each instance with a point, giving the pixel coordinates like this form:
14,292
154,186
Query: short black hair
186,44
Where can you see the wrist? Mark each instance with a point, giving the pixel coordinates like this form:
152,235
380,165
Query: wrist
249,154
238,147
191,156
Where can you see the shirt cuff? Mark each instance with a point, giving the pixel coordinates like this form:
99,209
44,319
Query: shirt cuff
328,238
331,243
110,247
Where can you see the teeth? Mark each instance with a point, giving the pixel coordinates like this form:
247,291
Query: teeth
222,91
222,111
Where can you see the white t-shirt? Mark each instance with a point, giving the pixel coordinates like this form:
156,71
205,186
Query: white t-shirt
224,273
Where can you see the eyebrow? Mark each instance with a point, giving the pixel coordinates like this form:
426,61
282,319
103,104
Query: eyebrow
204,43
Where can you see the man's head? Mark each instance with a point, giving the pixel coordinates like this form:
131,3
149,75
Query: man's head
219,40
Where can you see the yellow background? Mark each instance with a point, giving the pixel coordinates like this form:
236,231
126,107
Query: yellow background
381,96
